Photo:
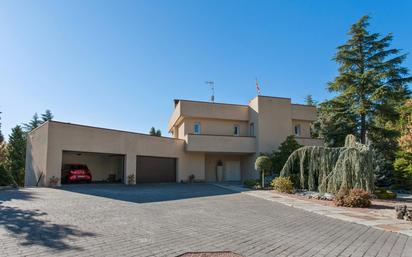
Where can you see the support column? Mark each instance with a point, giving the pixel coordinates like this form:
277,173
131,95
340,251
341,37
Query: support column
130,168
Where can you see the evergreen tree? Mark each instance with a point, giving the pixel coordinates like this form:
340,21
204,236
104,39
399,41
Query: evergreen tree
371,87
16,154
1,134
335,121
47,116
371,78
2,146
280,157
309,100
33,123
154,132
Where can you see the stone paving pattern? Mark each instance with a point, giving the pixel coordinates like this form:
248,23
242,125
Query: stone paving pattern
172,219
380,218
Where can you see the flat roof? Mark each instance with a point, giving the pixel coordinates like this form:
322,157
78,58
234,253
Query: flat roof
109,129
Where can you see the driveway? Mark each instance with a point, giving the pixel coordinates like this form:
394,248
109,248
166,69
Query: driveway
171,219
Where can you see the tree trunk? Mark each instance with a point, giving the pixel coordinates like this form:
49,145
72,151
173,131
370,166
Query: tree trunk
363,129
263,179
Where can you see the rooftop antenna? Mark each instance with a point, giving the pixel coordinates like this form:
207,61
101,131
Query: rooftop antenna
211,84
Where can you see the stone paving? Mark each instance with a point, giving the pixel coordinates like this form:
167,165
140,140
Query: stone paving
377,218
172,219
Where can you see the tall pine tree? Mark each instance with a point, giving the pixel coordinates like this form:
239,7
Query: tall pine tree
47,116
2,146
33,123
371,87
16,154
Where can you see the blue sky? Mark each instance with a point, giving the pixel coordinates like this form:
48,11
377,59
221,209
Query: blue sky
120,64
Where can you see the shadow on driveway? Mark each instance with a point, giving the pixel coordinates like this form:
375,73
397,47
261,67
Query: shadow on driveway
146,193
31,226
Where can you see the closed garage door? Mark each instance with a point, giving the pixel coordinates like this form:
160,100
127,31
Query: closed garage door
152,169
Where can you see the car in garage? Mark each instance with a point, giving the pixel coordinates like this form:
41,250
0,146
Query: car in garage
75,173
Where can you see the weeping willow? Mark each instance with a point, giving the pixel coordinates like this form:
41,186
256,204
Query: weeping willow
331,169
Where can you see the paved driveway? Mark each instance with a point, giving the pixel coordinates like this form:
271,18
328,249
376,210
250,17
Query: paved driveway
171,219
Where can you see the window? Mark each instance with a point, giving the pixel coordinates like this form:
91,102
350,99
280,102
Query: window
236,130
252,129
297,130
196,128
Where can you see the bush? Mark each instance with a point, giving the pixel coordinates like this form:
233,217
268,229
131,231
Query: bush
6,179
263,165
251,183
382,193
280,156
282,184
356,198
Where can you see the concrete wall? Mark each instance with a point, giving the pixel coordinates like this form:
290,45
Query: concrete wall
212,159
70,137
274,122
36,156
207,110
215,126
220,144
304,127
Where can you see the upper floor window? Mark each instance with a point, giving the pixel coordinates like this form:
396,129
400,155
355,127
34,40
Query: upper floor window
297,130
196,128
252,129
236,130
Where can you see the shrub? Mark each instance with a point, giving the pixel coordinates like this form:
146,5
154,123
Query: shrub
130,179
53,181
382,193
263,164
282,184
357,198
6,179
251,183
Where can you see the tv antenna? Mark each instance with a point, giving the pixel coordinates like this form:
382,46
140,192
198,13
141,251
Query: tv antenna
211,84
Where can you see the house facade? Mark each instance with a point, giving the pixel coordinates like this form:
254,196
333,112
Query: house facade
205,135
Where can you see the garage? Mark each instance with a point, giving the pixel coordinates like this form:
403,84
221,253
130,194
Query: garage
151,169
103,167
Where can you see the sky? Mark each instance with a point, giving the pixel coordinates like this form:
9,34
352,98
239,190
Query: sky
120,64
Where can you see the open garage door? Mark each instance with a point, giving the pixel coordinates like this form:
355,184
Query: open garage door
103,167
150,169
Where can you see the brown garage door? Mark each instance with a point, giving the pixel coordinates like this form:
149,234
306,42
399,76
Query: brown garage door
150,169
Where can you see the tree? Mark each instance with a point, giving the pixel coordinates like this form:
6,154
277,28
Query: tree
6,179
405,127
371,88
47,116
286,148
263,164
16,154
309,100
154,132
1,134
402,177
2,146
371,77
33,123
335,121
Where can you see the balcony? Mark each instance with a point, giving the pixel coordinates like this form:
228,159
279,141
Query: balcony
307,141
220,144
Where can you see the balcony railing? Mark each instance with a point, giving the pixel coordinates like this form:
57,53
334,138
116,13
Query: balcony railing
220,143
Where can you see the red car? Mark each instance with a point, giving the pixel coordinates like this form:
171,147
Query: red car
74,173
